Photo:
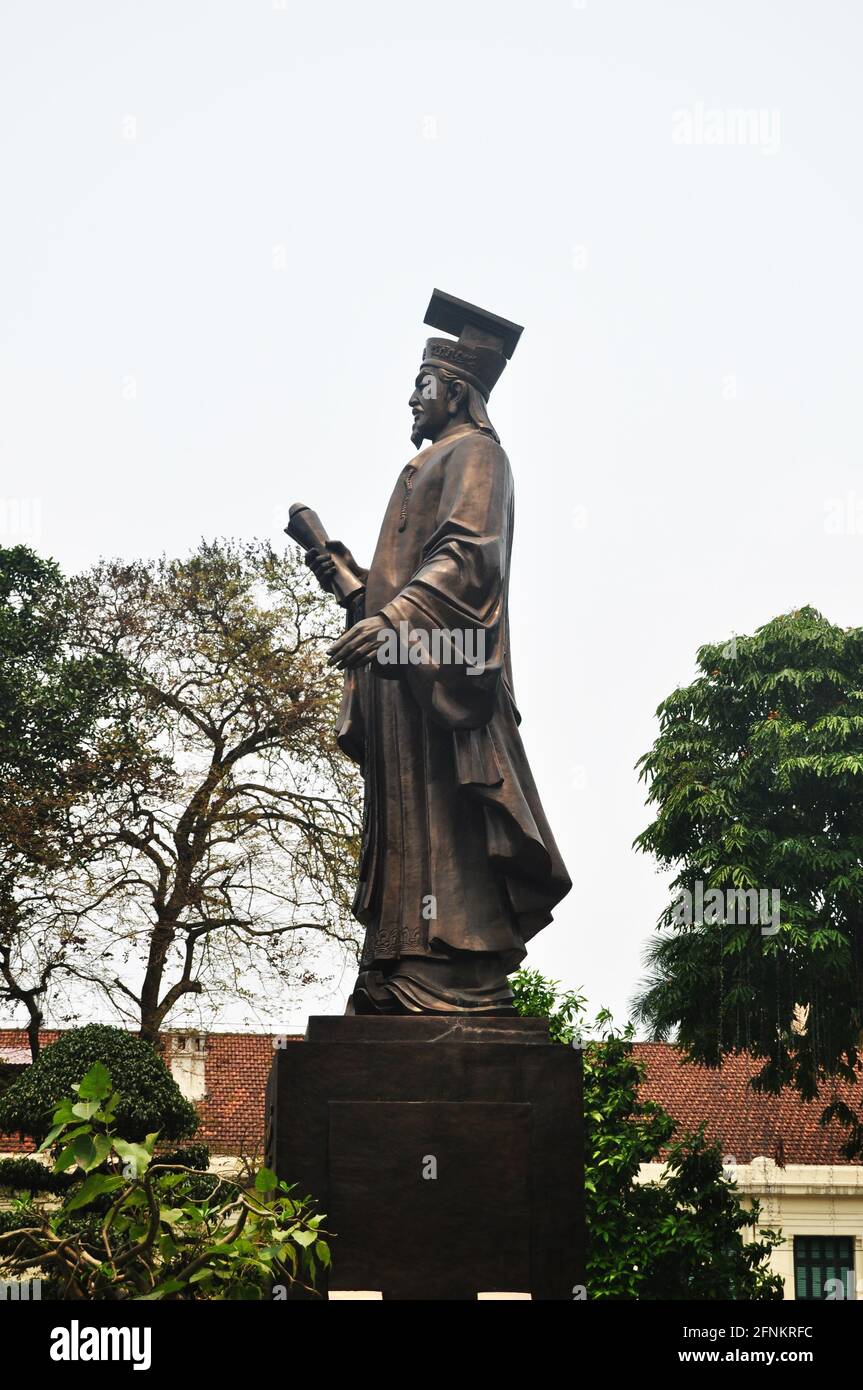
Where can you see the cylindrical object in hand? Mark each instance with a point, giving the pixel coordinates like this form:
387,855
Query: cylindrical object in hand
306,528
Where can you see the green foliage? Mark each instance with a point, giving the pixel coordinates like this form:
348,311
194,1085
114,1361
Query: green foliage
136,1227
195,1156
702,1245
536,997
49,696
11,1219
757,780
31,1176
52,697
9,1072
150,1097
682,1238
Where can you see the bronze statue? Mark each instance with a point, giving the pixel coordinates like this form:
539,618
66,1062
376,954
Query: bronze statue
458,866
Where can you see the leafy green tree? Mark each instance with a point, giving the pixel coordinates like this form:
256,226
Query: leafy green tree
707,1246
51,700
684,1237
757,781
49,695
150,1097
143,1227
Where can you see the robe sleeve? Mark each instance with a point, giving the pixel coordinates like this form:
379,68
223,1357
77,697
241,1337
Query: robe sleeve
457,598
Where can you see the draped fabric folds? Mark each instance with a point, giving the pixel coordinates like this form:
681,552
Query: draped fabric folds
458,867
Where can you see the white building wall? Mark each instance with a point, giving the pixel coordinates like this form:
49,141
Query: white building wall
187,1058
802,1199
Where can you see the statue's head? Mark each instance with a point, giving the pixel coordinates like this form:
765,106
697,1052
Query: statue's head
440,399
458,375
435,403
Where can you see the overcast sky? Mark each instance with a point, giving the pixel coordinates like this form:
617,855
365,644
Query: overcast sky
222,223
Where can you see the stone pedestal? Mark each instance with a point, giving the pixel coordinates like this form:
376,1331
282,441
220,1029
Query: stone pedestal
446,1152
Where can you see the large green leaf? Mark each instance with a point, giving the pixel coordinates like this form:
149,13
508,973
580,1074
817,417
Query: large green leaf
91,1150
134,1156
265,1180
96,1084
85,1109
96,1185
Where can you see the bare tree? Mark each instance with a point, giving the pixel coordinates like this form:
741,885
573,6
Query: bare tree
44,921
226,826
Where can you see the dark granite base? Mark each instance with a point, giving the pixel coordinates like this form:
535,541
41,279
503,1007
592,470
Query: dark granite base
354,1028
363,1111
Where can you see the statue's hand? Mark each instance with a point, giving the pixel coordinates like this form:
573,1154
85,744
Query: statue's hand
320,562
358,645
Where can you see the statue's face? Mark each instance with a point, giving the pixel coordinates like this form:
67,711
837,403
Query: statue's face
429,405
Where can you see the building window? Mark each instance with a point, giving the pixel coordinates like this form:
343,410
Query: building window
819,1259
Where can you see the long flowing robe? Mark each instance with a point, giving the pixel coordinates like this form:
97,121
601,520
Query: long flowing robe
458,865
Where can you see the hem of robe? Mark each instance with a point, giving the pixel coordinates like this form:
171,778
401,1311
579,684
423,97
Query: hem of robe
466,982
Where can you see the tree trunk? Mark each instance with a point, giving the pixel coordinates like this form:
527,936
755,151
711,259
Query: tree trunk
33,1027
151,1014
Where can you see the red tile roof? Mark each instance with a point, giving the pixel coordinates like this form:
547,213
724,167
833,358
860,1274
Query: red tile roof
236,1069
232,1113
746,1124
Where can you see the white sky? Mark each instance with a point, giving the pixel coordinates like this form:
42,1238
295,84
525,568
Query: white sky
221,226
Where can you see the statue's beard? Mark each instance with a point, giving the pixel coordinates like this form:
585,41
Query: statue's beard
417,436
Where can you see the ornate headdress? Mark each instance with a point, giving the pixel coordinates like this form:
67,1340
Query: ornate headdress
482,346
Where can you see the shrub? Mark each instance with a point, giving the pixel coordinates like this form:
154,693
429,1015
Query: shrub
9,1071
28,1175
135,1228
150,1097
195,1156
12,1220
